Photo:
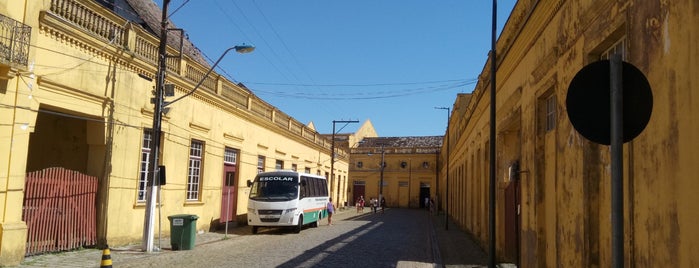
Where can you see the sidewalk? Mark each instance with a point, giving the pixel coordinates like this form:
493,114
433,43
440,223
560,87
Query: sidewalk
457,248
90,258
454,247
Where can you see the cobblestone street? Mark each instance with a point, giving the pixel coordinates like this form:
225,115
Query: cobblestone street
396,238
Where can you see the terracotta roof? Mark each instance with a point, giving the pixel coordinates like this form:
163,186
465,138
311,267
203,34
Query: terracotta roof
402,142
150,16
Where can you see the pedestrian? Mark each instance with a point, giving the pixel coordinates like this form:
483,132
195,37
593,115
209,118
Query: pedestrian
358,204
431,206
383,204
427,203
331,210
373,205
361,203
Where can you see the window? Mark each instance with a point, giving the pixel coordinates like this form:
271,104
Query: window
307,170
550,112
403,164
425,164
145,157
196,158
618,47
260,164
294,167
230,156
360,164
279,164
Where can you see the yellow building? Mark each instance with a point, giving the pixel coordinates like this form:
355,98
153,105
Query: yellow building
408,176
76,79
556,212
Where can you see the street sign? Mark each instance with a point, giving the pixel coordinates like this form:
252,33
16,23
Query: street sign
588,102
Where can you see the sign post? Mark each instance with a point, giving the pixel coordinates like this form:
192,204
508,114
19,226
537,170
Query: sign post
609,102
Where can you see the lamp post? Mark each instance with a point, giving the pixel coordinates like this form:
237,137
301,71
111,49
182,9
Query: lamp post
446,187
383,153
159,103
491,190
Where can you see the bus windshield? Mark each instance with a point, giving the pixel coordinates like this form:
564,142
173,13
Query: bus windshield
275,188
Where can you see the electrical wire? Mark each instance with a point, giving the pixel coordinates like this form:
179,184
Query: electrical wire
95,54
281,40
361,85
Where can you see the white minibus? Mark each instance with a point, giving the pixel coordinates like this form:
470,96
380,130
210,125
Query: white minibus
287,198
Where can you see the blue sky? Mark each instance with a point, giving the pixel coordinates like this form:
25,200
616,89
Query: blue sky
388,61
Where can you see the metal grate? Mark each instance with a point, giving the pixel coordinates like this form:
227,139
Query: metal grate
14,41
59,209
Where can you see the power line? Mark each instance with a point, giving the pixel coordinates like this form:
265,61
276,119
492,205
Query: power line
361,85
363,95
282,41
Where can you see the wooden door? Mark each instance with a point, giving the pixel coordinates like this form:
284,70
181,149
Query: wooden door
229,195
358,191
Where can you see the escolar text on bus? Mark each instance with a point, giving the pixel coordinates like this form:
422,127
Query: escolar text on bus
276,178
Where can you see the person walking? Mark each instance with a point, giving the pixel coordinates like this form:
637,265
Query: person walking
331,211
360,204
383,204
373,205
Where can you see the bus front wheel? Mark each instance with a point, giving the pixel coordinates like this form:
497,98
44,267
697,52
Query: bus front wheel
298,227
255,229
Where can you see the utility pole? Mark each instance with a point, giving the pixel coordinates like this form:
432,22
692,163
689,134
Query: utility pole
153,182
446,187
332,157
383,153
491,189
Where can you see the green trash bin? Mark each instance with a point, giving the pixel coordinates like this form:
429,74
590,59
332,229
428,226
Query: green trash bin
183,231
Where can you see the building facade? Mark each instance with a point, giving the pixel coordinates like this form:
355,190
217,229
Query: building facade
76,80
408,175
553,193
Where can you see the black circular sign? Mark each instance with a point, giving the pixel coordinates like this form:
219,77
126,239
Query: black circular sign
588,102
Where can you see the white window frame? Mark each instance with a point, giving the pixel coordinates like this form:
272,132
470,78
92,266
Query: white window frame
196,160
141,189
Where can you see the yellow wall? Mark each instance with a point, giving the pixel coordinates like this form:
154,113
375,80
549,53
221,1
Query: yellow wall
15,127
88,91
413,174
565,188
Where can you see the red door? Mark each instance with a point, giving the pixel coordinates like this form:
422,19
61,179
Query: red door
229,196
358,191
512,221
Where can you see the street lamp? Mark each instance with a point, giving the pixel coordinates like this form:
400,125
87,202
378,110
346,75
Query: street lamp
446,187
242,49
383,153
383,166
159,105
491,190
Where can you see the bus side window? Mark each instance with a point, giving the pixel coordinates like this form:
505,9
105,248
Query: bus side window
312,187
324,188
303,188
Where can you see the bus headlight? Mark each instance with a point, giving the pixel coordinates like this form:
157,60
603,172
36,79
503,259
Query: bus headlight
251,211
289,210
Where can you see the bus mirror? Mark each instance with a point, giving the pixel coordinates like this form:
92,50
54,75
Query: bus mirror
249,183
